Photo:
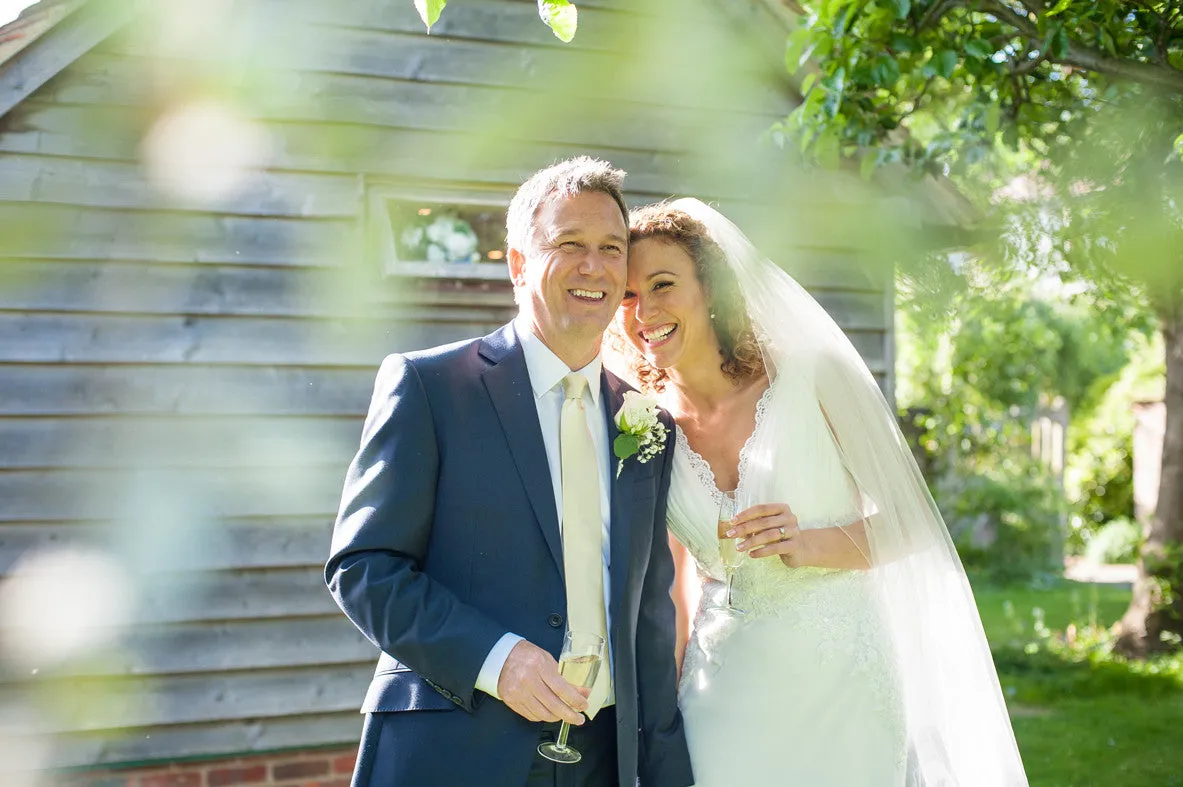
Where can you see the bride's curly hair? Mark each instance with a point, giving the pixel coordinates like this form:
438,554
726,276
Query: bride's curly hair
739,350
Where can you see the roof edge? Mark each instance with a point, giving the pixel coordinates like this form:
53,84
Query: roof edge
68,38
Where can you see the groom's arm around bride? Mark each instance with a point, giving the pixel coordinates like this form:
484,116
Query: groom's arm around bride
452,548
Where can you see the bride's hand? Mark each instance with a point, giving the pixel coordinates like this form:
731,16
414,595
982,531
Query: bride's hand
770,529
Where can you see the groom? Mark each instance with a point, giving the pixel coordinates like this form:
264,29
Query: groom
484,515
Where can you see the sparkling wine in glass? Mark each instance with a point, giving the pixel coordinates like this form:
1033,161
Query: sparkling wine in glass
732,557
579,664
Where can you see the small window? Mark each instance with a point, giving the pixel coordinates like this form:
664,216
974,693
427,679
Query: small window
447,233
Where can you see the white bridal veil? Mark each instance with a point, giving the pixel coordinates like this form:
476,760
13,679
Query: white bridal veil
959,732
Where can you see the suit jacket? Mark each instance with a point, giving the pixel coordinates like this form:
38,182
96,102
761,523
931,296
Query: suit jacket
448,537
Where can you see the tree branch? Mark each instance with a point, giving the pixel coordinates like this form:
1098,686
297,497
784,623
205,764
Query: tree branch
934,12
916,101
1029,65
1163,77
1032,8
1008,15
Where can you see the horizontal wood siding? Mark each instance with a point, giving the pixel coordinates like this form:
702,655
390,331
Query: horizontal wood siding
182,384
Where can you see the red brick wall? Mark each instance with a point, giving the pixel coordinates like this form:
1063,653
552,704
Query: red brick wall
319,768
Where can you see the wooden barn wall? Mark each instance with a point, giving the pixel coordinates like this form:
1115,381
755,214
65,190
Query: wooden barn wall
182,386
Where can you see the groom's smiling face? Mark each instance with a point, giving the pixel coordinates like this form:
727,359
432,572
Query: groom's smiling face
570,280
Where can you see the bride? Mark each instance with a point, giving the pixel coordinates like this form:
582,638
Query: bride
850,653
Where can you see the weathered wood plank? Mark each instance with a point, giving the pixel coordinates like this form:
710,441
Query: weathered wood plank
500,112
31,337
415,56
120,339
98,443
445,156
182,389
872,346
856,311
400,304
179,499
504,21
823,269
239,595
111,704
228,545
251,291
64,232
198,740
70,38
171,289
109,184
186,648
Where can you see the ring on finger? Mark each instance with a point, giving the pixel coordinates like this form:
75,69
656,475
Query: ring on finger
782,532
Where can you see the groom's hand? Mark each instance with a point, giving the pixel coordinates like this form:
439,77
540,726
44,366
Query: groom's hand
531,686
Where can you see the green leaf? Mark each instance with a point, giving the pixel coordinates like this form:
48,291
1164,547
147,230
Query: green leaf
827,149
902,7
807,82
1059,8
902,44
429,11
946,61
993,118
625,445
886,71
1060,43
866,167
843,24
835,82
561,17
795,48
1107,42
979,48
829,10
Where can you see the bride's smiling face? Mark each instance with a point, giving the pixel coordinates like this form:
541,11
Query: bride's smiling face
665,314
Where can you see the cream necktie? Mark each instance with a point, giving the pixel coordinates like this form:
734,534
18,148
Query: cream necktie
583,560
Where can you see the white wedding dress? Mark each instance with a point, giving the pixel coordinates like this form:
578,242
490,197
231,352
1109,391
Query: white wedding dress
803,689
877,678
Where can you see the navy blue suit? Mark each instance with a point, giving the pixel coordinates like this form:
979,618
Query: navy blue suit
448,538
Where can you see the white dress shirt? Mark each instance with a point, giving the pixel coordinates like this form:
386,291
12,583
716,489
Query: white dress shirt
546,373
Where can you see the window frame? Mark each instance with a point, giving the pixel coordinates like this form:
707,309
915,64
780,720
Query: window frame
379,230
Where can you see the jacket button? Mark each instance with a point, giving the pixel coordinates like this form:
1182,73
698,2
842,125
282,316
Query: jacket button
554,620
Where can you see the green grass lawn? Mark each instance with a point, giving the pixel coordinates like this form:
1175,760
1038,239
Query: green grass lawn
1083,718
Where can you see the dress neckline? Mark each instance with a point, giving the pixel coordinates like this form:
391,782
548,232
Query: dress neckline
702,468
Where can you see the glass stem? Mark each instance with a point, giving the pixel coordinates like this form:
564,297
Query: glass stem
730,574
561,743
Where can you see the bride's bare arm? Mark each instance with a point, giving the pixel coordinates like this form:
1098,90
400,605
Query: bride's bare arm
685,593
771,530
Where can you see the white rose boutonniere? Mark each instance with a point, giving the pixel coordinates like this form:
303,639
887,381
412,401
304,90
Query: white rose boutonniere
640,431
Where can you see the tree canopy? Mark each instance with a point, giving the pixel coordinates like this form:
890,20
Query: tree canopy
1069,112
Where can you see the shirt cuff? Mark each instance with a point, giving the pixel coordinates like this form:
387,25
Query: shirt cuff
490,674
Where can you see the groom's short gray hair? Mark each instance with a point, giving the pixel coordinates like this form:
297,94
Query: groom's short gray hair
563,179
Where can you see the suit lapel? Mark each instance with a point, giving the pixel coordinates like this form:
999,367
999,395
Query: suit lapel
508,384
620,550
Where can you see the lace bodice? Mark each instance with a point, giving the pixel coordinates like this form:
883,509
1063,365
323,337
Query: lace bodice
702,469
801,468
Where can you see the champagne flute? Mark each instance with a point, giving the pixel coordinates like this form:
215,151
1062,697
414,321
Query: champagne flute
729,508
579,664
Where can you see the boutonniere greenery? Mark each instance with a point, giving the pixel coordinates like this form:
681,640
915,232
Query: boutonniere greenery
641,433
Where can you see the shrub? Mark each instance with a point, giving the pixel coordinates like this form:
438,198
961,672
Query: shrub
1117,541
1006,525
